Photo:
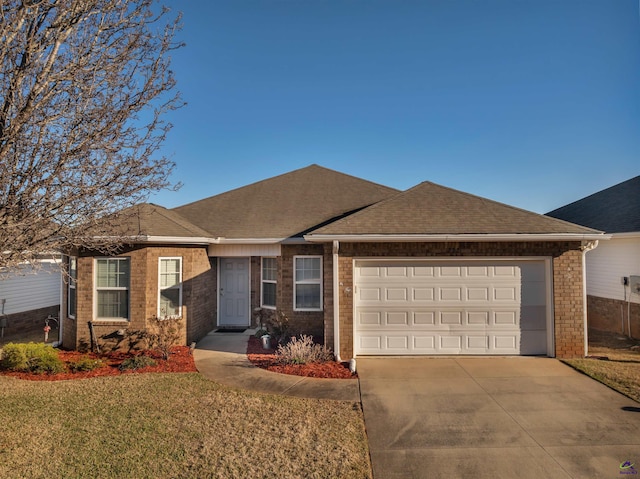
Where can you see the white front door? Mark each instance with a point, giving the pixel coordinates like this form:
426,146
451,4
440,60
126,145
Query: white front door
233,293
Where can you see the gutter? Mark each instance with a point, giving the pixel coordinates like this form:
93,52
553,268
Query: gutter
586,247
336,302
364,238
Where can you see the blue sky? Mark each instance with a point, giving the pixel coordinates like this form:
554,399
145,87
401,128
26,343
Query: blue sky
534,103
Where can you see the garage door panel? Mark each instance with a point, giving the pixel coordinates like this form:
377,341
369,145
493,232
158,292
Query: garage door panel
533,318
437,308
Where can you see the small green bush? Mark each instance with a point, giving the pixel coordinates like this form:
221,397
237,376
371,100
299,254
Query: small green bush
84,364
261,332
31,357
137,362
302,351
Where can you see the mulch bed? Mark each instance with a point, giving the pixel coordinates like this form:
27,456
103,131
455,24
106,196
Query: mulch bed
180,361
266,359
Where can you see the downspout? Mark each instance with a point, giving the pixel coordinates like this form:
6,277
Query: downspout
60,309
336,302
586,246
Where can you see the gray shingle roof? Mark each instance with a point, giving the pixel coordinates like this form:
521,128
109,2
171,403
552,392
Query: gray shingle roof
429,208
147,219
284,206
614,210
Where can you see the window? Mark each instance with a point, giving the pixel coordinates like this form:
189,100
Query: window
170,288
269,282
72,269
112,288
308,283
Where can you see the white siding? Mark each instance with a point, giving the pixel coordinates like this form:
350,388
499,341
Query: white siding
27,291
243,250
608,263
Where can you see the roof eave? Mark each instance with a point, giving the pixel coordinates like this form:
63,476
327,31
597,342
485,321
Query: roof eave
405,238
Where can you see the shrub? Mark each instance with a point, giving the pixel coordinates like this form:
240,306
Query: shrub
261,332
278,324
163,334
302,351
31,357
85,363
137,362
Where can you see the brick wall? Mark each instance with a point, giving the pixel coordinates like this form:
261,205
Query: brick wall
567,281
613,315
29,321
198,298
308,322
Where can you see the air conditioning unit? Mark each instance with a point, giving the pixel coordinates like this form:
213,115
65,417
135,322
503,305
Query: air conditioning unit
634,284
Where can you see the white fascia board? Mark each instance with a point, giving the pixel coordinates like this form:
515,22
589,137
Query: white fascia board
631,235
248,240
368,238
157,239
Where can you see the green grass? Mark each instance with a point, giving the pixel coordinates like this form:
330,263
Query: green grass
173,425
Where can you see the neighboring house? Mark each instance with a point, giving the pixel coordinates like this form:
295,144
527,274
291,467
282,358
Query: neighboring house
612,303
365,268
28,295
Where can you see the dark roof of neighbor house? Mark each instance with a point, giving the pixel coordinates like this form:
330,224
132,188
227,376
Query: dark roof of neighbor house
614,210
284,206
147,219
429,208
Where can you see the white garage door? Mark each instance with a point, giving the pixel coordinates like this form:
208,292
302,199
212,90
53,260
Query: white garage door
452,307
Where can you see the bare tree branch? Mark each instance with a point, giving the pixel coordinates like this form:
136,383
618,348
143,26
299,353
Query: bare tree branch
84,86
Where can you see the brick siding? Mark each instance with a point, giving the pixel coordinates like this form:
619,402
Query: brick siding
198,298
29,321
613,315
567,281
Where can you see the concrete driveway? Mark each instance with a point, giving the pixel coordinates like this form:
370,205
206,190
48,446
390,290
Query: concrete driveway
494,418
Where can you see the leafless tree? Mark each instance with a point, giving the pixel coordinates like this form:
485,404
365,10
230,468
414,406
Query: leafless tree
84,86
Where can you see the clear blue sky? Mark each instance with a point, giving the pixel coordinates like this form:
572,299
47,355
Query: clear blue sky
534,103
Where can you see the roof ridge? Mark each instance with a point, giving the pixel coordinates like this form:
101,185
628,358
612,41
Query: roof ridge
274,178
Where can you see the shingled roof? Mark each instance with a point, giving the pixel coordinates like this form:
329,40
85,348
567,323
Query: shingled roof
283,206
431,209
149,220
613,210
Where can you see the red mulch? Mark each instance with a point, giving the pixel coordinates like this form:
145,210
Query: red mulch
266,359
180,361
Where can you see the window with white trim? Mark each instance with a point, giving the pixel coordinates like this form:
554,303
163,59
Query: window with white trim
307,283
269,283
72,270
112,288
170,287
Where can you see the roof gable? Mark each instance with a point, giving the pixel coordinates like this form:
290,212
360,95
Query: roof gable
147,219
431,209
284,206
614,210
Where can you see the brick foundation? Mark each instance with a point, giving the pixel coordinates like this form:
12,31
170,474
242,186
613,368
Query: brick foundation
29,321
613,315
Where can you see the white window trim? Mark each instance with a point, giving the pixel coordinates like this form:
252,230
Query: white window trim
308,281
72,283
262,281
160,288
96,288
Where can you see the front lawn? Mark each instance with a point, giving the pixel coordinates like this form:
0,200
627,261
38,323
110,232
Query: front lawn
613,360
173,425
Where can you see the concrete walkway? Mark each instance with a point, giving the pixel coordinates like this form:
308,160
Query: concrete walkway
222,358
494,418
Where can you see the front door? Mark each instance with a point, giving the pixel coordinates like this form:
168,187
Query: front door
234,310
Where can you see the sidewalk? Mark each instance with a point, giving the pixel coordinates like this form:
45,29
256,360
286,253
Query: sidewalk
222,357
